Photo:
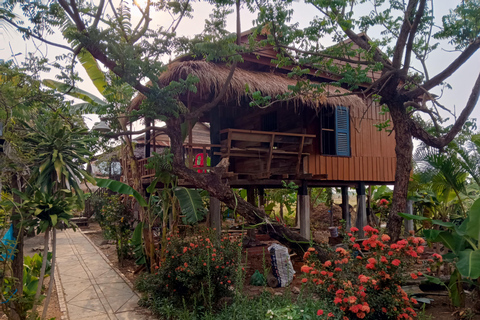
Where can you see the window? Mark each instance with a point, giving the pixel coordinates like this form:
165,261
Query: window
335,131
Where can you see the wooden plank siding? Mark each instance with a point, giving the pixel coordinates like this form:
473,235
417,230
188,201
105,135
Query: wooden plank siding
372,152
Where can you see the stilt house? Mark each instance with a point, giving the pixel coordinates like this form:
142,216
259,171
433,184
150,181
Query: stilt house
326,140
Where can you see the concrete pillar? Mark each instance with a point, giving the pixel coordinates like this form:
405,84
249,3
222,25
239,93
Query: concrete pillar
304,210
346,208
361,209
215,215
408,223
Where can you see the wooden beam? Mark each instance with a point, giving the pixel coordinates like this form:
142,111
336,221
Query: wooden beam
299,159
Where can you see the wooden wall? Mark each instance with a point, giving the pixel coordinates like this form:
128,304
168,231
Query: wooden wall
372,151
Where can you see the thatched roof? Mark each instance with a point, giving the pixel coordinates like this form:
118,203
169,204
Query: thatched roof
212,76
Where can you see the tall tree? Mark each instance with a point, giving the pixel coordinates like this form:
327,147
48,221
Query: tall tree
132,51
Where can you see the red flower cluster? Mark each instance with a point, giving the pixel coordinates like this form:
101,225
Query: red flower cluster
360,287
196,261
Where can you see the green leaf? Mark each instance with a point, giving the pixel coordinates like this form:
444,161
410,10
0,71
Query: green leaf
117,186
191,204
137,243
431,234
43,225
434,280
184,128
53,217
93,70
443,223
469,263
74,92
413,217
473,226
448,239
456,289
153,185
462,228
30,288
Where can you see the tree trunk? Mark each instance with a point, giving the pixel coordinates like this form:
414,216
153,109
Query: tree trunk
52,273
403,150
42,271
213,183
17,263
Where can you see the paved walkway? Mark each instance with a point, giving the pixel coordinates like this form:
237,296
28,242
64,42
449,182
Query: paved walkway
91,287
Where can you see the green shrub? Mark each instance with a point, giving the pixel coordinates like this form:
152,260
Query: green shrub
116,221
366,287
197,270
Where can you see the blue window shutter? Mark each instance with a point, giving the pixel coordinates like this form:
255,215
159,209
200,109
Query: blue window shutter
342,131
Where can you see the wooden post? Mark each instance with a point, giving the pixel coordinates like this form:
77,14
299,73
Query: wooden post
251,238
146,149
261,196
154,138
17,263
346,208
361,209
304,204
214,136
215,215
409,223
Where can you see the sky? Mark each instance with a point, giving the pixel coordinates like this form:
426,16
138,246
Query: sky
12,46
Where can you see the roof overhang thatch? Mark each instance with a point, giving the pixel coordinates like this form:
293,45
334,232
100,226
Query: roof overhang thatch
212,76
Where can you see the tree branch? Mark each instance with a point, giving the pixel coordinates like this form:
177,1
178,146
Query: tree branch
76,16
208,106
402,37
447,72
411,36
30,34
146,16
99,13
126,133
323,55
440,142
423,109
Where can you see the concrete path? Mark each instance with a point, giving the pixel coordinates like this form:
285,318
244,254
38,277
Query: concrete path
92,289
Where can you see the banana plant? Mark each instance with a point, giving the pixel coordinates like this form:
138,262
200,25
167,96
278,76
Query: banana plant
160,203
462,240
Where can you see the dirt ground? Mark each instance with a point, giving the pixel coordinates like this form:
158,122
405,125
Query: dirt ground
321,219
35,245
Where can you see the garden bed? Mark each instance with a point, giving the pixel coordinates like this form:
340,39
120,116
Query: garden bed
258,258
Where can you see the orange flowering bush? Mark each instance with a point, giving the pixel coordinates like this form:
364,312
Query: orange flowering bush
196,270
366,287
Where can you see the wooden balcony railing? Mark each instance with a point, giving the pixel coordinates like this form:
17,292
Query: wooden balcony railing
197,156
266,147
272,152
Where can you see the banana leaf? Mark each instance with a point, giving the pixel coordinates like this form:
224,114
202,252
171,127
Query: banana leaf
74,92
120,187
191,204
469,263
